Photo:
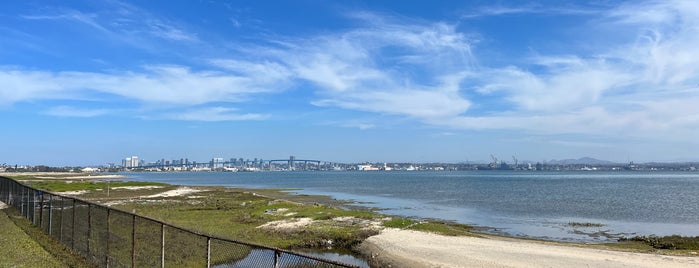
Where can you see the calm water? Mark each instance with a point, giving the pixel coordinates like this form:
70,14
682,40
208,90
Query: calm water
530,204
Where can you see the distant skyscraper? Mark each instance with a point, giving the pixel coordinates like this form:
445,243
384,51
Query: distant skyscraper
134,161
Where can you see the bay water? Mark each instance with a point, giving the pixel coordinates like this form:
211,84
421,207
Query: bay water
578,206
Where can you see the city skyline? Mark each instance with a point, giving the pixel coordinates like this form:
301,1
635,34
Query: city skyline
86,83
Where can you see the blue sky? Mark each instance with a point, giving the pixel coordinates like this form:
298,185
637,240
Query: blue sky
91,82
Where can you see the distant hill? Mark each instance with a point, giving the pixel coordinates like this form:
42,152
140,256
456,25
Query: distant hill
581,161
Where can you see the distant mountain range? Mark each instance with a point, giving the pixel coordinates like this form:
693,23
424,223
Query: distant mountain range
581,161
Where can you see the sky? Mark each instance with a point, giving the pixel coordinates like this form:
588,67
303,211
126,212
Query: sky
93,82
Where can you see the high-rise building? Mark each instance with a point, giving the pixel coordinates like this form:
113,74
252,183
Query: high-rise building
134,161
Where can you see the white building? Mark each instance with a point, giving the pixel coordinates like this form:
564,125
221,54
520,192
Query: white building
130,162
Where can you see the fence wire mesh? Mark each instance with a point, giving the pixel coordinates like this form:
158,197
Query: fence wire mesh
120,239
148,243
99,235
113,238
227,253
67,219
81,228
184,248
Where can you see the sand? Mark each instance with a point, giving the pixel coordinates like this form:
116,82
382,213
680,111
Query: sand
404,248
132,188
289,224
73,193
177,192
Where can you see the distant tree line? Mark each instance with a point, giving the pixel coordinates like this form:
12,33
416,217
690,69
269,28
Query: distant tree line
40,168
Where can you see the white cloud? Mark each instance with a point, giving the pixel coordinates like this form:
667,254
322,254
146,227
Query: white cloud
639,84
360,126
373,68
123,23
156,84
167,31
215,114
500,10
639,87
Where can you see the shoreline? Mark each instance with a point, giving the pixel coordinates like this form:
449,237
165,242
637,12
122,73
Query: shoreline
403,248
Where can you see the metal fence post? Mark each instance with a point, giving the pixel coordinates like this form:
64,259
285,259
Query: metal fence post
21,202
276,258
162,245
60,231
50,213
33,213
208,252
89,227
72,232
30,205
109,232
133,240
41,211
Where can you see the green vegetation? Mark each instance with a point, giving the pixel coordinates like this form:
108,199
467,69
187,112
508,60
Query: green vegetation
674,242
19,250
444,228
401,223
64,186
239,214
23,245
584,224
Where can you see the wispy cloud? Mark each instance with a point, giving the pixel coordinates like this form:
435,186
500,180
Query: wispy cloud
168,31
639,84
123,23
69,111
154,84
358,125
215,114
70,15
503,10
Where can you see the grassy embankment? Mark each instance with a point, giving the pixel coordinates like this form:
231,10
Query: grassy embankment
23,245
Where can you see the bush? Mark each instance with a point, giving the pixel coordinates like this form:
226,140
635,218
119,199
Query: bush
667,242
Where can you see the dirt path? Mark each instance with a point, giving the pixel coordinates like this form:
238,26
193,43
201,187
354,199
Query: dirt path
402,248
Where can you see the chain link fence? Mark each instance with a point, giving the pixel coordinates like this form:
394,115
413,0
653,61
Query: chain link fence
110,237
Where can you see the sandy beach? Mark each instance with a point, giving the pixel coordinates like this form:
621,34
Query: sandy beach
405,248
